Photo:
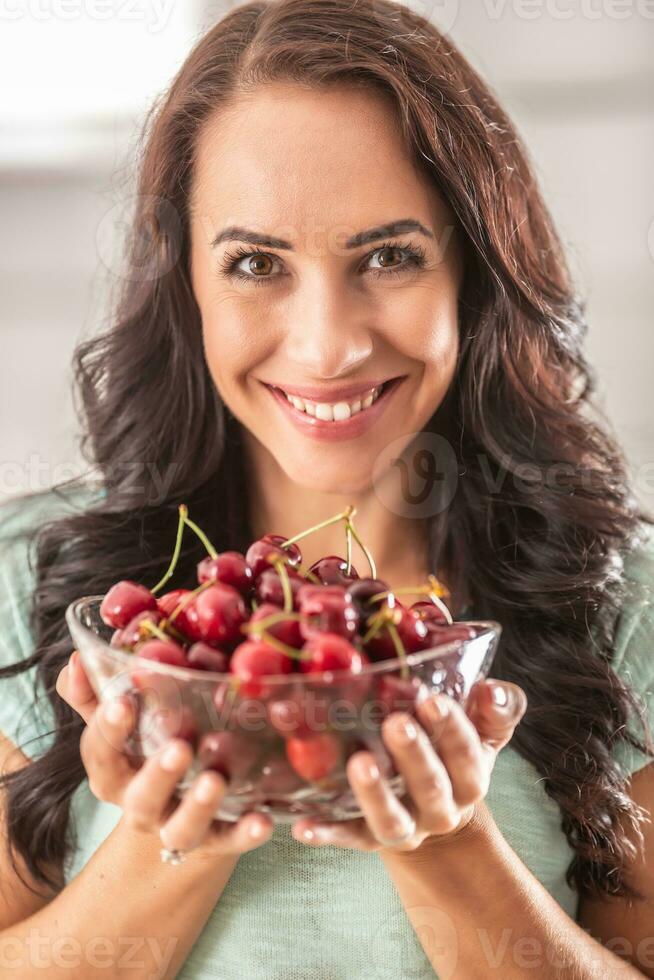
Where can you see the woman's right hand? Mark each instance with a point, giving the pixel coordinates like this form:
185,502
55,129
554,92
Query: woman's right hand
146,794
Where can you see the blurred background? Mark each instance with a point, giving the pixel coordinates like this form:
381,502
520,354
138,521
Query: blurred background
77,77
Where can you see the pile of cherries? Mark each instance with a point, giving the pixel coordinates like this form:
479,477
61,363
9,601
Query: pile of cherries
259,614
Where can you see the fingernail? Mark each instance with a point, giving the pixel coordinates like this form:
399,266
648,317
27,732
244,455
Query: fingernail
72,660
369,773
308,834
172,757
408,731
439,706
255,830
205,791
115,713
499,695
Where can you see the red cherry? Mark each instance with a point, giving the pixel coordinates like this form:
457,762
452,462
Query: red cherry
220,613
363,589
329,651
164,652
258,554
380,646
255,659
288,630
449,633
429,611
123,601
269,587
229,753
131,635
332,570
328,609
315,757
186,619
277,778
397,693
412,630
204,657
300,712
230,568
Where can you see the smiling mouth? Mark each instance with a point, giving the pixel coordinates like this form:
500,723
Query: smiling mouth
339,411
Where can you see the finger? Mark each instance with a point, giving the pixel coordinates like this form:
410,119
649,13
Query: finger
102,748
346,833
386,817
147,796
73,687
249,832
456,740
180,833
425,775
496,710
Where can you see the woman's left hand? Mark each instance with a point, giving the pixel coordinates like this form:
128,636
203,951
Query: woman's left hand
446,761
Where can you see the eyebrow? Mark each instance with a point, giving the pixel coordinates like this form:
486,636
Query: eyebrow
235,233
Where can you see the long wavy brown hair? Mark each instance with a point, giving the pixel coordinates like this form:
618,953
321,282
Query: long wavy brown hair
541,556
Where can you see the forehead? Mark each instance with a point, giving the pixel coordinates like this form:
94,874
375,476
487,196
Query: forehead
292,157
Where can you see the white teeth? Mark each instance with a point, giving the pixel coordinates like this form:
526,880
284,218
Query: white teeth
324,412
338,412
341,411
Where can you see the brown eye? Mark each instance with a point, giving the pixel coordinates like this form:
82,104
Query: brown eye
259,264
386,263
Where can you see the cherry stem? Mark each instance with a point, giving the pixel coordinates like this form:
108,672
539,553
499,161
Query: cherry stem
202,536
263,624
377,621
151,627
184,601
399,649
369,558
311,576
435,590
348,546
272,641
178,547
168,633
343,516
280,568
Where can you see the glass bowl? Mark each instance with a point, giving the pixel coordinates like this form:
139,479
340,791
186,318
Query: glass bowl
282,742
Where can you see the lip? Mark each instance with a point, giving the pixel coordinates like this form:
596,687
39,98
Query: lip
350,428
346,393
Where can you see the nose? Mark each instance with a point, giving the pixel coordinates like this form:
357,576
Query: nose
329,333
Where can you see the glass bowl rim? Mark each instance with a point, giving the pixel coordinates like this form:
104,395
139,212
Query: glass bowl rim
331,676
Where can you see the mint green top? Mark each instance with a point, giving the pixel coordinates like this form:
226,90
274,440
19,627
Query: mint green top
292,912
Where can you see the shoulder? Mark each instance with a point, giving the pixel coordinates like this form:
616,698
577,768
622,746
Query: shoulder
25,714
21,516
20,520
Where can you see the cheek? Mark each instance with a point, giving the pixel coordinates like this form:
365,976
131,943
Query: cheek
234,341
425,328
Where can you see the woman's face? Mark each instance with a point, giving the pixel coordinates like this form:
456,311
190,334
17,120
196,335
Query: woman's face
331,312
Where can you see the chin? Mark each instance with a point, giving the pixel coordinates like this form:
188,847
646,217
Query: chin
329,476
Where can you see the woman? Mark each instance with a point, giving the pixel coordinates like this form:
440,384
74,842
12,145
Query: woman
340,259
